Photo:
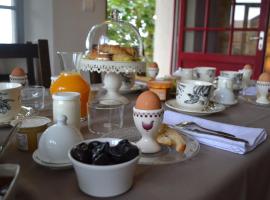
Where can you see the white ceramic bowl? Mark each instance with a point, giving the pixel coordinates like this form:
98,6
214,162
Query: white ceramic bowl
104,180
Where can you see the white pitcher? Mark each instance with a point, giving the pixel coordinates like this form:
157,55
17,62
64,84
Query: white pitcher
184,73
224,93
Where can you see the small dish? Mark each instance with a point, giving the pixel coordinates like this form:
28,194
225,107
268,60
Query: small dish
39,161
9,174
214,108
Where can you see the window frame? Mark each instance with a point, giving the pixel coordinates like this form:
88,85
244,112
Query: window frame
17,7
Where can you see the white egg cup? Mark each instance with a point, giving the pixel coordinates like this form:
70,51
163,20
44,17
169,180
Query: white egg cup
152,72
148,123
262,92
18,79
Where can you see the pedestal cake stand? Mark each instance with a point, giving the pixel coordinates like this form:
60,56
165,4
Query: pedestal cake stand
112,79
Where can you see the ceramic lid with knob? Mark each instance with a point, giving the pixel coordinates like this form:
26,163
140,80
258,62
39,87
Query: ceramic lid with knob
56,141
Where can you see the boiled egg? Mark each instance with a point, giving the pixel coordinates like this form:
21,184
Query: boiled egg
153,65
247,66
264,77
18,71
148,100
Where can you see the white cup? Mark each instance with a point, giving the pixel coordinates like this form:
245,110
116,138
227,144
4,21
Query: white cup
185,73
224,93
236,76
10,101
193,94
205,73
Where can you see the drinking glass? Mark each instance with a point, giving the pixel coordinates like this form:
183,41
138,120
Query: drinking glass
105,115
33,96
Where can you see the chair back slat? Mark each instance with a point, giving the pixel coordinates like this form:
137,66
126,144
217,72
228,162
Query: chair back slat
30,51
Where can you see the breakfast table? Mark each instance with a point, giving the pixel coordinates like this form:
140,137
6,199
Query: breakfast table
211,174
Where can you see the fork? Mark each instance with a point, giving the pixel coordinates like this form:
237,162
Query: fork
192,126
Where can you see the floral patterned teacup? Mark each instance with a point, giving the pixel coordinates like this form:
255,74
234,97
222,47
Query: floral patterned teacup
10,101
236,76
193,94
205,73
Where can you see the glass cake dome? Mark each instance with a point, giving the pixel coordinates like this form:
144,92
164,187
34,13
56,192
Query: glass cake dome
114,40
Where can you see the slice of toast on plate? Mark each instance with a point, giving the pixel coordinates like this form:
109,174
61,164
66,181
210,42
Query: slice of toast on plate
170,137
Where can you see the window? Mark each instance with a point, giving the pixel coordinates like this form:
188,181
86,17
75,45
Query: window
8,21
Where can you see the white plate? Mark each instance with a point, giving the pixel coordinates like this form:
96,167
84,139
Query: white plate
213,109
167,155
134,89
252,99
39,161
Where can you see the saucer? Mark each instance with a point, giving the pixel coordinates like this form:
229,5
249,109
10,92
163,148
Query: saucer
228,104
39,161
135,88
214,108
252,100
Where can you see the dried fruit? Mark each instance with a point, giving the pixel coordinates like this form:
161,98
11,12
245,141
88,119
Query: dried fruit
101,153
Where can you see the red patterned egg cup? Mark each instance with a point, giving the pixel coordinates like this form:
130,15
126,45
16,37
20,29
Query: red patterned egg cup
148,122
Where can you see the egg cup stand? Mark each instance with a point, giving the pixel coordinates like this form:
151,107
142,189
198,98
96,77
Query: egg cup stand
112,79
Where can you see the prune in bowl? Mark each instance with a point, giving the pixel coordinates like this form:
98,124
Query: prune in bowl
105,166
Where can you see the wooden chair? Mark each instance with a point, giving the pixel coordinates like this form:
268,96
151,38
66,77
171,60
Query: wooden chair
30,51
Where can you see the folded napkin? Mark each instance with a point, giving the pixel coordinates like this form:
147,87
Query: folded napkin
249,91
254,136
